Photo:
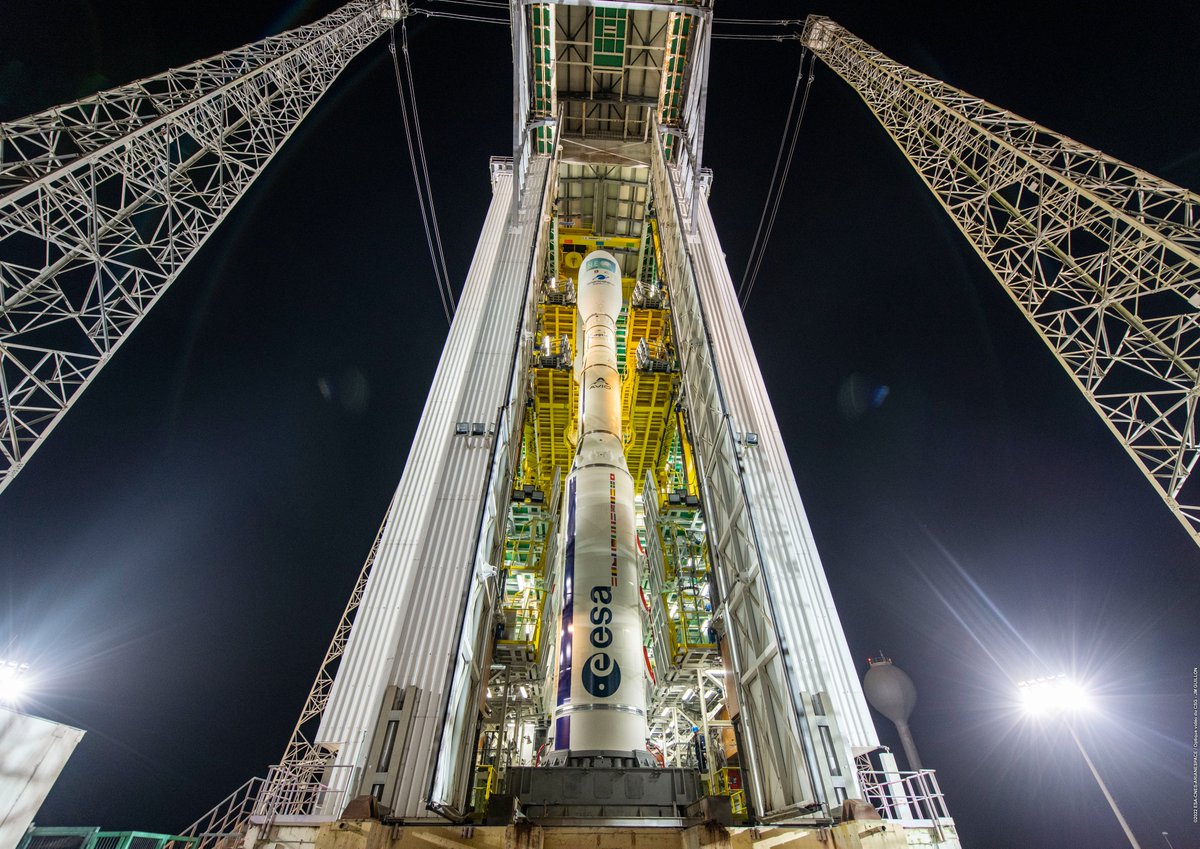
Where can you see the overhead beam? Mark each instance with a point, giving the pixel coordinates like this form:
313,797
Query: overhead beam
632,5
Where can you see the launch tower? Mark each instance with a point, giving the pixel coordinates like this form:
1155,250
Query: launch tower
456,678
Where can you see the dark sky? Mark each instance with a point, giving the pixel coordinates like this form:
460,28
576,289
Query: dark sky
175,558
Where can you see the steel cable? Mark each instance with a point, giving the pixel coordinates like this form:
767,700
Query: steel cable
746,22
437,233
443,285
459,16
732,36
748,284
492,4
787,123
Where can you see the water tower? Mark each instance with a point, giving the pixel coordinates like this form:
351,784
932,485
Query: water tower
891,692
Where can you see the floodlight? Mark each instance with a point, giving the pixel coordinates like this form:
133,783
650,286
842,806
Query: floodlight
1059,696
1055,695
12,681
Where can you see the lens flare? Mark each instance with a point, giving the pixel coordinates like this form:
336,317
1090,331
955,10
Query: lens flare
13,683
1057,695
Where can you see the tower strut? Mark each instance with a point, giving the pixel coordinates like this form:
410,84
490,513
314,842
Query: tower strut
1102,258
105,200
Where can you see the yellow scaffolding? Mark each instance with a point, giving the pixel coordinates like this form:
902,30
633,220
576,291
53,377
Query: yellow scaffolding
647,412
522,634
481,789
580,241
555,399
728,782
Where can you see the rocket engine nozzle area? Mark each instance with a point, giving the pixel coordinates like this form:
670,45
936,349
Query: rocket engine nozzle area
600,700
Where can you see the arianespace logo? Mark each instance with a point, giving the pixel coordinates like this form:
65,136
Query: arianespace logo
599,263
599,383
601,673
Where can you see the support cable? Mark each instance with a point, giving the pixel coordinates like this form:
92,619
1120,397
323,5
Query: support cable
787,123
787,167
790,35
778,182
443,285
459,16
732,36
745,22
490,4
437,233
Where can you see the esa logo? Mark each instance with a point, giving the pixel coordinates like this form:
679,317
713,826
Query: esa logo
601,673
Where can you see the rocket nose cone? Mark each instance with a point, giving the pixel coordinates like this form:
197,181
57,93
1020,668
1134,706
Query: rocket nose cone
599,289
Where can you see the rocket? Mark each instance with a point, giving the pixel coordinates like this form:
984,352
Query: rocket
600,701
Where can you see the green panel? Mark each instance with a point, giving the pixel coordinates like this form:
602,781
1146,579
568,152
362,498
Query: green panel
542,90
608,38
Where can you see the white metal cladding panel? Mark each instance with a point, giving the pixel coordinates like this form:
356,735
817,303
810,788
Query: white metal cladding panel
370,659
517,273
33,753
814,642
429,633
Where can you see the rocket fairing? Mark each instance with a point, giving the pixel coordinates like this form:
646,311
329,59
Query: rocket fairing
600,701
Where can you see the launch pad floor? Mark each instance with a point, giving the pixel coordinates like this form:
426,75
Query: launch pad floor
372,834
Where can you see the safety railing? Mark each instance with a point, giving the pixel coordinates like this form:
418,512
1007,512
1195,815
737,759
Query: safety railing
226,824
318,790
94,838
913,797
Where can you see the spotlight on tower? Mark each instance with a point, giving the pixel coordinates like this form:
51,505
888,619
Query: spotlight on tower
1059,697
1053,695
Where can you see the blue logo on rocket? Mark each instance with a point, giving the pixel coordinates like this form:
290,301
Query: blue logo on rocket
601,675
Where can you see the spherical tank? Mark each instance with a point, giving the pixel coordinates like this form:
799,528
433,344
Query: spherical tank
889,690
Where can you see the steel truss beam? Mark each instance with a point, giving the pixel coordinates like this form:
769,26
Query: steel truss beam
105,200
303,762
1102,258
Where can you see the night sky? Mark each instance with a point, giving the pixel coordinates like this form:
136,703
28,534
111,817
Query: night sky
174,559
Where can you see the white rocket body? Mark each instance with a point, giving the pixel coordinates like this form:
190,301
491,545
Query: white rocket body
600,703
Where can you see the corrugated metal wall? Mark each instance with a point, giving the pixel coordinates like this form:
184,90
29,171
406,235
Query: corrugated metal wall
408,624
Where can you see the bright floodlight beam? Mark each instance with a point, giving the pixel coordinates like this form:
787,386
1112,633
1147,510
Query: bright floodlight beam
1059,696
13,683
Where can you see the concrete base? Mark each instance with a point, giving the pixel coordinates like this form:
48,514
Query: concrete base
371,834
